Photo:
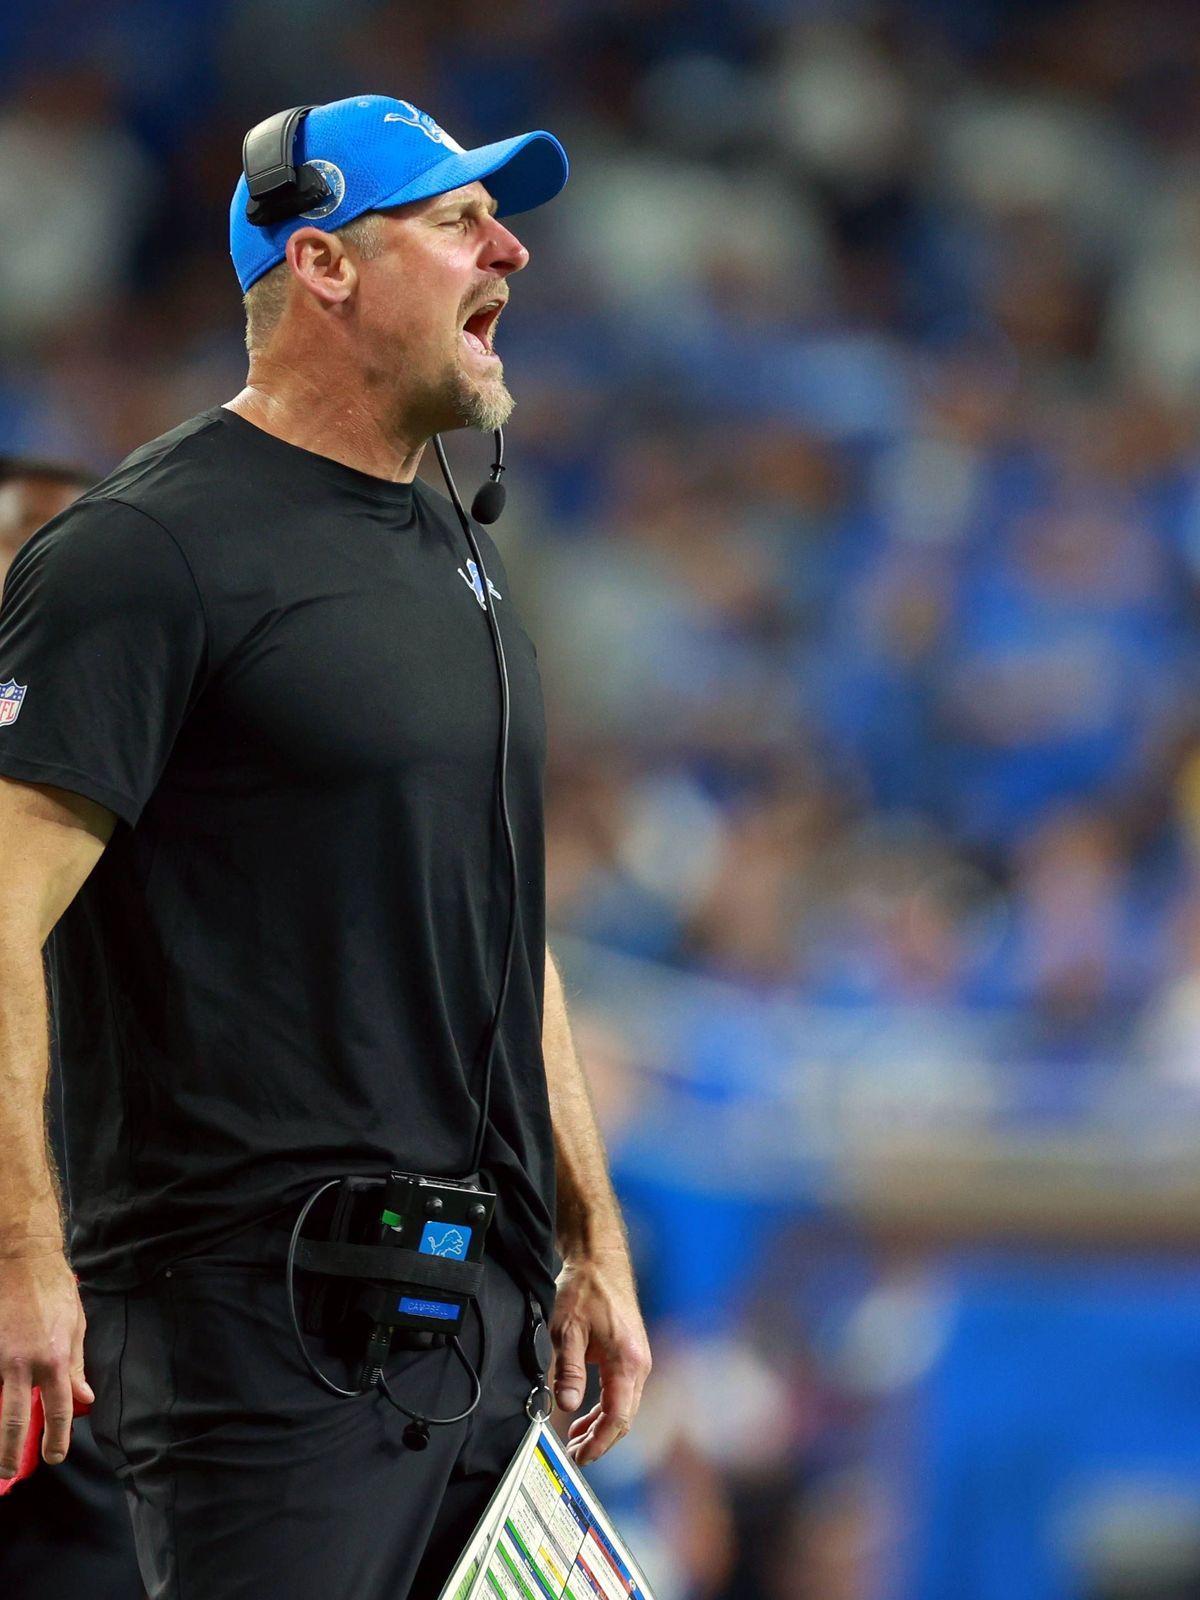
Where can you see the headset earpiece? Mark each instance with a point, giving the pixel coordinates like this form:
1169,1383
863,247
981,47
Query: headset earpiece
278,189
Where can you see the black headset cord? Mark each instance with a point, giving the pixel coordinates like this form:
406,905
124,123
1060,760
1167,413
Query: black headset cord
485,1096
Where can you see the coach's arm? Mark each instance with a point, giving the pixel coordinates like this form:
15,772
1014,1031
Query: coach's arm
596,1317
49,841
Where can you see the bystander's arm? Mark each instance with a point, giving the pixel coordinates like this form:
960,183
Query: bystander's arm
596,1316
49,842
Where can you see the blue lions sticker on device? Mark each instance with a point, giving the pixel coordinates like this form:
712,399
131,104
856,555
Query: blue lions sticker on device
451,1239
12,694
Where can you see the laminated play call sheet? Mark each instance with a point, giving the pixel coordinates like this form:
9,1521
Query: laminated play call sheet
544,1536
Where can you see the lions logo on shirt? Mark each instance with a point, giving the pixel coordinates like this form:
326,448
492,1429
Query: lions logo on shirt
12,694
475,582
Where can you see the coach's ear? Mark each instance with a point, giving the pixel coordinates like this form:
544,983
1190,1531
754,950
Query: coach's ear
322,266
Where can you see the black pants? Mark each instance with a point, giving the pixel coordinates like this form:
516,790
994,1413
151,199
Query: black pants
65,1531
246,1478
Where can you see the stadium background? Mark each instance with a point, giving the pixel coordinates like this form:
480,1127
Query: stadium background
855,503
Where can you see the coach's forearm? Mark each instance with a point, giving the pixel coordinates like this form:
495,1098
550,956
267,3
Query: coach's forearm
589,1219
596,1320
49,841
30,1216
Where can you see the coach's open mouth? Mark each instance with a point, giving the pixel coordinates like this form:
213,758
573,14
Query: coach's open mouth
480,326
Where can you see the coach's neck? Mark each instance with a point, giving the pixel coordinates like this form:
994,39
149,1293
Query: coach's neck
330,413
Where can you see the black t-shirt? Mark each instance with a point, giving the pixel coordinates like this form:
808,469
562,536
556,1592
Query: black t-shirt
276,671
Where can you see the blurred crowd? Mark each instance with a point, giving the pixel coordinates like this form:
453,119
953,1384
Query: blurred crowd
855,507
855,487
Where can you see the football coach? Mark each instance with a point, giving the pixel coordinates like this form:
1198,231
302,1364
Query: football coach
252,714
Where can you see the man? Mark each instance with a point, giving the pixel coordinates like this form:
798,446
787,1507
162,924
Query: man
65,1530
248,780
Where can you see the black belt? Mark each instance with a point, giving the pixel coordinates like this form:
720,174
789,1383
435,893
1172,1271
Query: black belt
384,1263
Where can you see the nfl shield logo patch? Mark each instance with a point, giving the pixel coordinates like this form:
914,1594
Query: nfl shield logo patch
11,695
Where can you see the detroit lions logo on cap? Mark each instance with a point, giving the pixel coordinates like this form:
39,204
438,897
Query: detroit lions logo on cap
336,180
422,120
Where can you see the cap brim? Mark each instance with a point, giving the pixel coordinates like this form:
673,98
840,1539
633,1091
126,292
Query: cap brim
520,174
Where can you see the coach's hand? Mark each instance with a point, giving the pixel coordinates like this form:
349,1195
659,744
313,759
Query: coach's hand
41,1344
596,1320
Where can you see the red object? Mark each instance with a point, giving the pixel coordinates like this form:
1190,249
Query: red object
32,1452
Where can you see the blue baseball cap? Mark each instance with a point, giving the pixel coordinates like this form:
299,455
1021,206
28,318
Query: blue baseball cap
374,152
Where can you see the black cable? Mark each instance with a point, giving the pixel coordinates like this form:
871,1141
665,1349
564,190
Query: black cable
290,1274
506,822
441,1422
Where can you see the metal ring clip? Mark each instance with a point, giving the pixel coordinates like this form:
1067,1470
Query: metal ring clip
540,1404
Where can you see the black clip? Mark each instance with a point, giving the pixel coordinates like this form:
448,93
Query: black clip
537,1355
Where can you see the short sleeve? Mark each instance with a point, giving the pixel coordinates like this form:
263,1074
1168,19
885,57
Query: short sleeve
102,651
